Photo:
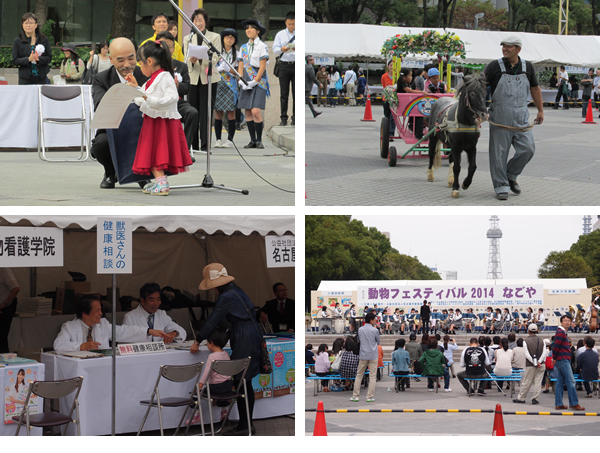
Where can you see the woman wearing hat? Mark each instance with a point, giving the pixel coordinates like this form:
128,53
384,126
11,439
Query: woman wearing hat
227,91
31,52
235,306
253,59
199,90
72,66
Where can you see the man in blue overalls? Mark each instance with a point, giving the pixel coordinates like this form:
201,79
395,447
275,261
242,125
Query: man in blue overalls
511,79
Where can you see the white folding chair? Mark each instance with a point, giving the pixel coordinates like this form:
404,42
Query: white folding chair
51,390
226,368
174,373
62,94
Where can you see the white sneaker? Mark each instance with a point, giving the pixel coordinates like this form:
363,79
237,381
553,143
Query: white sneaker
218,144
447,390
227,144
431,390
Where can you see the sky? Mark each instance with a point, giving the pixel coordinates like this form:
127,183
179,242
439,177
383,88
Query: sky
459,242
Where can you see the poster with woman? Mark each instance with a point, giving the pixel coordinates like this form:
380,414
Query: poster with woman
17,380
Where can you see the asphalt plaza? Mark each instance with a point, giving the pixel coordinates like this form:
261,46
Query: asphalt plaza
344,166
31,182
445,424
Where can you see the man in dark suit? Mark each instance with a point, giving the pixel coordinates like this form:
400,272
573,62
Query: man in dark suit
309,79
189,115
123,59
279,312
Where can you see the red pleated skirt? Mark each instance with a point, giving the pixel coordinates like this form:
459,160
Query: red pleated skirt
162,146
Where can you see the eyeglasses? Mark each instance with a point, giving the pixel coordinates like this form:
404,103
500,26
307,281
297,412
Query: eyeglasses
29,23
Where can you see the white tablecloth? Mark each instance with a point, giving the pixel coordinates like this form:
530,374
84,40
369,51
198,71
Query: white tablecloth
136,376
10,429
19,110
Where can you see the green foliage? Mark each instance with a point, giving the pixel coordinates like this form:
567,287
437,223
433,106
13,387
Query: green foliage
588,247
566,264
404,267
338,248
493,19
47,30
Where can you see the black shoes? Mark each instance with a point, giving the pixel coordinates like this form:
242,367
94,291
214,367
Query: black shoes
283,123
108,182
519,401
534,401
502,196
316,114
514,187
258,145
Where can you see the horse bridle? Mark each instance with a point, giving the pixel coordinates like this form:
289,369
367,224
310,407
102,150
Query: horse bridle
468,105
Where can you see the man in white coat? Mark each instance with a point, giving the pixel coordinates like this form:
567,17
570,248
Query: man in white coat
147,314
91,331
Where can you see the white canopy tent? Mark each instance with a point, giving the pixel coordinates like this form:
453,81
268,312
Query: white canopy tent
364,42
168,250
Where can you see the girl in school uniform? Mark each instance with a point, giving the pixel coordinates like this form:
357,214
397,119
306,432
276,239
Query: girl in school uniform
227,91
162,146
253,59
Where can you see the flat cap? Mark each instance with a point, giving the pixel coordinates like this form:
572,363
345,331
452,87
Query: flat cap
512,41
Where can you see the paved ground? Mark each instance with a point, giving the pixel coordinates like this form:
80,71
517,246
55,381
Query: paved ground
344,167
448,424
32,182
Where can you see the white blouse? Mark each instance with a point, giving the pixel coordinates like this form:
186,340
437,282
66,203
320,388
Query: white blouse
162,98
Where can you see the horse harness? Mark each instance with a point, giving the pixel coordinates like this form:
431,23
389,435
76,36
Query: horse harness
449,124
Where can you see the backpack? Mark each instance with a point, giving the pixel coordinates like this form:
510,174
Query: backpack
474,360
356,349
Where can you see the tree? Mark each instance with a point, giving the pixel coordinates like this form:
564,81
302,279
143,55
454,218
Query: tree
404,267
588,248
260,11
41,12
566,264
123,20
493,19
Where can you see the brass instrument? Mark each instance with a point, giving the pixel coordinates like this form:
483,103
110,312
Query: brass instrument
579,317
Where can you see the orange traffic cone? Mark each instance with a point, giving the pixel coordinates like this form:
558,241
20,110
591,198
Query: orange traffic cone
589,116
498,422
368,114
320,426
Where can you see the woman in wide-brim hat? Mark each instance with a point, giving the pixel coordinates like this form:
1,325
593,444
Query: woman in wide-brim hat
72,66
227,90
236,307
253,59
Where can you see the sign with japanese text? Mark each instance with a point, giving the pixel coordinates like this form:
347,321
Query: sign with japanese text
281,251
564,291
17,380
114,245
337,293
452,295
324,61
142,348
284,376
31,247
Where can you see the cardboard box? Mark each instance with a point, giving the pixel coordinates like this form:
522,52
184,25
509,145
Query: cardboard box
78,287
65,301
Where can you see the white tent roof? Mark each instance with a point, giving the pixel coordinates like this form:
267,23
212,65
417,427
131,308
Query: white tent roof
190,223
359,41
548,283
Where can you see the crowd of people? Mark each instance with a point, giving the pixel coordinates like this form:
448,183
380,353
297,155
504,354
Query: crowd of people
541,362
181,93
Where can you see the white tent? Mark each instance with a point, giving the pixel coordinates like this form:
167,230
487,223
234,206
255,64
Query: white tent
364,42
169,250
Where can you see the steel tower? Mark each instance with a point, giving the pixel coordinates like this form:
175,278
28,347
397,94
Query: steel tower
587,224
494,234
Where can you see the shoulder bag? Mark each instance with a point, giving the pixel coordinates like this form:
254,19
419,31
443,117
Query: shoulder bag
277,67
265,366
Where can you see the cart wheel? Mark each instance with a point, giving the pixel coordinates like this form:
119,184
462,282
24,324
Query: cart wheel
392,156
384,137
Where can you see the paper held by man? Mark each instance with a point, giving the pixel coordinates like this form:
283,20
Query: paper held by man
113,106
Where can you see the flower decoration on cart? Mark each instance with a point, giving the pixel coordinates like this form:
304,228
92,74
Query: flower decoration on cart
430,42
390,95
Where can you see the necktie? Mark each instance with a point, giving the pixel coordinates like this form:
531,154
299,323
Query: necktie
89,337
280,308
151,321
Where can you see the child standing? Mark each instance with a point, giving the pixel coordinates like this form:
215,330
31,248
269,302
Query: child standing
215,343
227,91
162,146
253,59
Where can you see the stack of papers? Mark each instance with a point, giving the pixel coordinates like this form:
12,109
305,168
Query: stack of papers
38,306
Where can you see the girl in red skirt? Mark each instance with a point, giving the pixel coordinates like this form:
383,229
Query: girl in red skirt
162,146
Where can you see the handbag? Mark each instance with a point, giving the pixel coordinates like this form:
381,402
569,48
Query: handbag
549,364
337,363
265,366
338,84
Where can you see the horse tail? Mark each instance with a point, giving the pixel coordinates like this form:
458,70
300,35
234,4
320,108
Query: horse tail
437,161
